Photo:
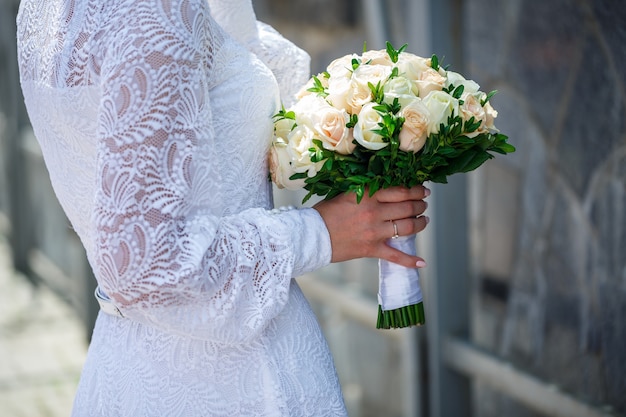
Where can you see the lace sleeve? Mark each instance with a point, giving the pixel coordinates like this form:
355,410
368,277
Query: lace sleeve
237,18
160,252
289,63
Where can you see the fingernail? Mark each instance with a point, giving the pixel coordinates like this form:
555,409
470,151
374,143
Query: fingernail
427,219
420,264
426,191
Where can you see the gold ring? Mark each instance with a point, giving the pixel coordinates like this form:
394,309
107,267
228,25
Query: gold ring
395,230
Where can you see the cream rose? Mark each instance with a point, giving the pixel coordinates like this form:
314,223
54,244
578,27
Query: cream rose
369,120
360,92
281,168
471,108
440,106
329,124
358,95
376,57
415,127
429,80
490,116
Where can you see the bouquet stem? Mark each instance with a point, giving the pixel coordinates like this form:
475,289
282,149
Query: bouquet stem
399,292
408,316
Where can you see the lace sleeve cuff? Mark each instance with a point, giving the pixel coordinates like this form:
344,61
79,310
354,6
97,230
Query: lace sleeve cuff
312,248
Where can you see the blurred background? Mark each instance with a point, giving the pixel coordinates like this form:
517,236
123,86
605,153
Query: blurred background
525,291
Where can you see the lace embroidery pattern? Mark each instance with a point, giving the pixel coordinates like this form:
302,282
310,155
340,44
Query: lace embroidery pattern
154,118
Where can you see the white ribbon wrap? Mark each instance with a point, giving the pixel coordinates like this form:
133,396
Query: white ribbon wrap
398,286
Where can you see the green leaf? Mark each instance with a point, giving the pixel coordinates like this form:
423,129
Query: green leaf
505,148
393,52
360,191
458,91
377,92
284,114
318,87
434,62
353,121
491,94
298,176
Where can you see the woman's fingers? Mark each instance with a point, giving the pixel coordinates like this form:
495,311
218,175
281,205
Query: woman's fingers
405,227
403,210
398,257
362,229
396,194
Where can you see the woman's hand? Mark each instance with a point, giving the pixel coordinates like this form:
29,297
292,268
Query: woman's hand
359,230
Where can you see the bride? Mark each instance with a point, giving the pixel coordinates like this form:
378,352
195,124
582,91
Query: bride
155,119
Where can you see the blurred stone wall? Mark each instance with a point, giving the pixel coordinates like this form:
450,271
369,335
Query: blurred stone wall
548,223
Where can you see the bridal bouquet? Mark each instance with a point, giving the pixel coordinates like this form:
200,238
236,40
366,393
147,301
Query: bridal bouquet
381,119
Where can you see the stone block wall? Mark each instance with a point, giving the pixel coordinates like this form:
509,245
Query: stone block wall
548,228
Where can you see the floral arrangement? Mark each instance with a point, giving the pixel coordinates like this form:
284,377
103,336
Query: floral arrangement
381,119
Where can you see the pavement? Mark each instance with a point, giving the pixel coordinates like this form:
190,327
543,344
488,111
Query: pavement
42,347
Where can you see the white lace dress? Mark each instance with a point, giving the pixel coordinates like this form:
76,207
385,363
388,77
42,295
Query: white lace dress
154,118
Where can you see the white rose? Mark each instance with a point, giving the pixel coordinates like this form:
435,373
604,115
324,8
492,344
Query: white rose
369,120
457,79
281,168
329,125
415,127
300,141
376,57
429,80
338,91
411,66
282,128
440,105
306,108
341,67
397,87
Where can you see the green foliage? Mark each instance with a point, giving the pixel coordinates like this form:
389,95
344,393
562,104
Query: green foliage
284,114
318,87
434,62
364,171
395,53
491,94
